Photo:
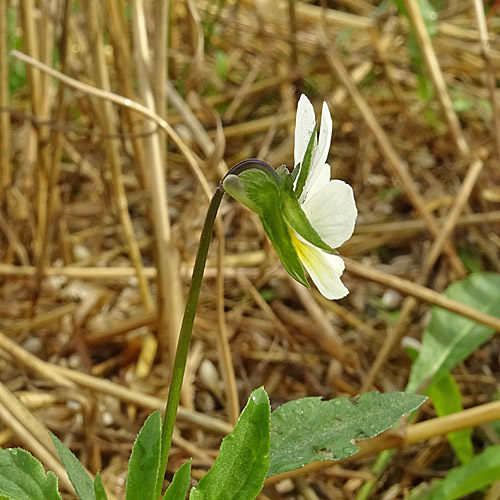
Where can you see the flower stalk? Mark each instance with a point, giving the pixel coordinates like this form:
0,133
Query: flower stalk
190,311
185,336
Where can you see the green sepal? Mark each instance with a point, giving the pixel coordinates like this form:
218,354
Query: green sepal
297,219
283,172
278,233
262,192
234,186
302,170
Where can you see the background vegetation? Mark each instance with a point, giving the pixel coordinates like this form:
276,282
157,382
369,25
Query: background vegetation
102,204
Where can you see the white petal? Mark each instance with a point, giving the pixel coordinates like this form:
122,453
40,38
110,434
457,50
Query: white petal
325,269
304,125
325,135
332,212
322,179
320,155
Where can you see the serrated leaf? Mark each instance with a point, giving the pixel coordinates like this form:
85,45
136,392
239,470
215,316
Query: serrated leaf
81,481
481,471
450,338
303,169
180,483
309,429
297,219
145,460
22,477
240,469
446,398
99,491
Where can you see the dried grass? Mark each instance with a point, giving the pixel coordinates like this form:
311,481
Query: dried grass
95,262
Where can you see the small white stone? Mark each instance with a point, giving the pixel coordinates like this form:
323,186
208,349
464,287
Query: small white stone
32,344
107,418
391,298
81,252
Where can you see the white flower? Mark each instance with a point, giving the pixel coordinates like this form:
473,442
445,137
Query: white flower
328,204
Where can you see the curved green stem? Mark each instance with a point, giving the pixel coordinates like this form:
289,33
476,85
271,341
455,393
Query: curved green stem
189,314
185,336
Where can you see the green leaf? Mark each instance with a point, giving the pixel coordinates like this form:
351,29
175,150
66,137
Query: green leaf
308,429
450,338
297,219
429,14
99,491
470,258
425,89
446,398
430,17
303,169
145,460
422,492
22,477
481,471
221,65
81,481
180,483
240,469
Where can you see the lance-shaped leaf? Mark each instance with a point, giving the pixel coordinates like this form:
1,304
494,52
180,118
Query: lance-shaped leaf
450,338
261,191
309,429
145,460
22,477
99,491
446,398
180,483
81,481
482,470
240,469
